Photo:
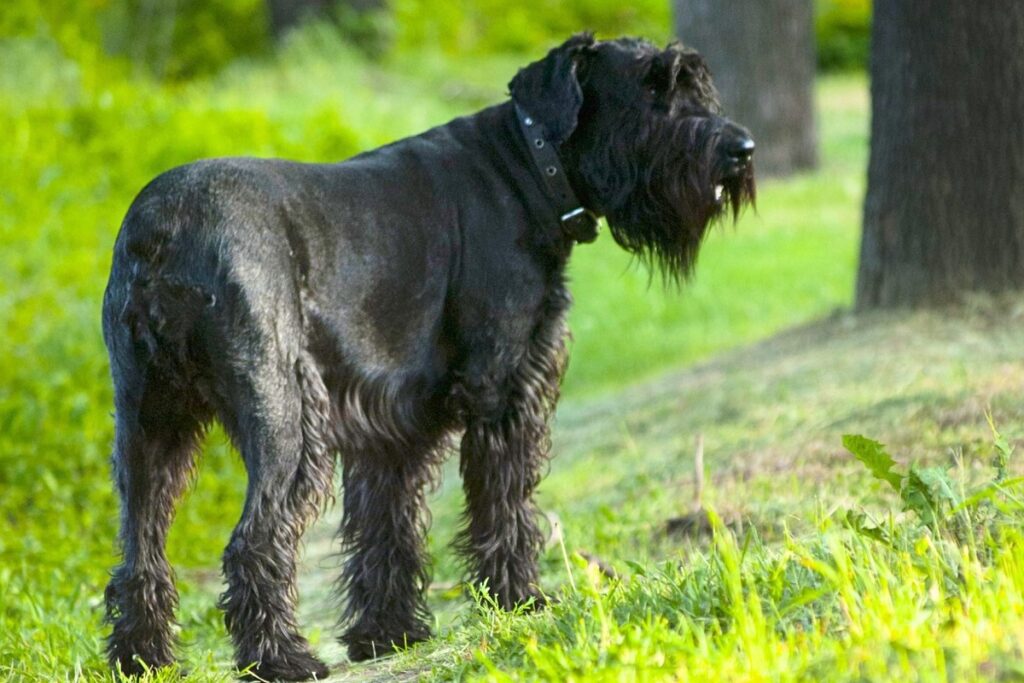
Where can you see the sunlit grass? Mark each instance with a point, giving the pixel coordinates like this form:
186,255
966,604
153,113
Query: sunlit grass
838,608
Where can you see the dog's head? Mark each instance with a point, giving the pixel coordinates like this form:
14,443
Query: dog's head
643,140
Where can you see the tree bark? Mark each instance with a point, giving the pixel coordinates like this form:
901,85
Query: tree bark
761,53
287,14
944,211
354,18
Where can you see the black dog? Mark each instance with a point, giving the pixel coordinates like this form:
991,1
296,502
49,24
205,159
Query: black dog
374,309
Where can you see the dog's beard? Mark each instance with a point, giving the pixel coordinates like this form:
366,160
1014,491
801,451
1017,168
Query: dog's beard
734,192
667,191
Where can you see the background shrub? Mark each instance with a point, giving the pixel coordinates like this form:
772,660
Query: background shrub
498,26
189,38
843,29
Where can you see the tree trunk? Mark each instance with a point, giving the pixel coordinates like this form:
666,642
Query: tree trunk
944,212
761,53
355,19
286,14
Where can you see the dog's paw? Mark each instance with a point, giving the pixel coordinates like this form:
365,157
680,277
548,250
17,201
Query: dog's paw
361,648
536,601
364,650
134,661
299,666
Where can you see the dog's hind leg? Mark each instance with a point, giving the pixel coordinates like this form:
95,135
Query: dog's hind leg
276,420
155,442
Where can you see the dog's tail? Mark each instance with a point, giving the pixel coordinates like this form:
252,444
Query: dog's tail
150,311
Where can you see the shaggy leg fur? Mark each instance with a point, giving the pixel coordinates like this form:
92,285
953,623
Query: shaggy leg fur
501,463
289,470
382,533
153,456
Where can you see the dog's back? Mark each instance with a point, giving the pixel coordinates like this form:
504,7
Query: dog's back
211,243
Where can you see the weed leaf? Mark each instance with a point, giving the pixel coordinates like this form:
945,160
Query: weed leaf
875,458
926,491
858,521
1003,449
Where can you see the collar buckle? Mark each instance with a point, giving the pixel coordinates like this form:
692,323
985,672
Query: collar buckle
581,224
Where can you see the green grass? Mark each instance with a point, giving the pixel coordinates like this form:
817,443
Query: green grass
787,590
82,137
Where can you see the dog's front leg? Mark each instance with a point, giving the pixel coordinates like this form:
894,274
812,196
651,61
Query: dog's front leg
503,455
501,463
382,533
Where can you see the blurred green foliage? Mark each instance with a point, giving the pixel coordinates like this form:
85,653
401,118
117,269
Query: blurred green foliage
473,26
172,40
843,29
185,38
189,38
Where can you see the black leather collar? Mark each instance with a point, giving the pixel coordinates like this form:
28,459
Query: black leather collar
579,223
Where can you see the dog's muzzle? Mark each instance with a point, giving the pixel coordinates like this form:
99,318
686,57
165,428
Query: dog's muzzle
735,150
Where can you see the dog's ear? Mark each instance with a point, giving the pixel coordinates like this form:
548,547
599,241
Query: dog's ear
663,71
548,89
696,76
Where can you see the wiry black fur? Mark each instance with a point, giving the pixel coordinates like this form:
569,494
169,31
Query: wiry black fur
501,463
378,309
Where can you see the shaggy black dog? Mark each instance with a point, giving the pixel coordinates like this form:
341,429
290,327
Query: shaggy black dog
376,309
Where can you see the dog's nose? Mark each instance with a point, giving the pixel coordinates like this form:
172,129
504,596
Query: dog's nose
735,147
739,148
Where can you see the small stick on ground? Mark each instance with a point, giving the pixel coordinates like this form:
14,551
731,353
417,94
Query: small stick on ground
698,474
602,566
695,522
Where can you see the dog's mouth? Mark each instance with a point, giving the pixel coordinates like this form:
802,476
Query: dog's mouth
731,193
730,182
